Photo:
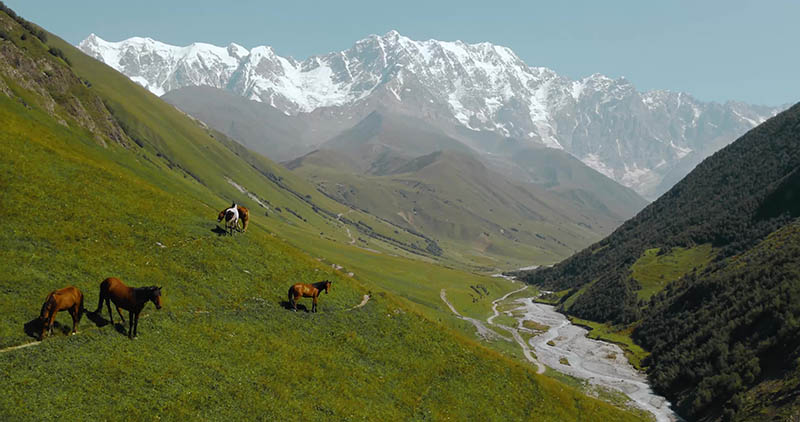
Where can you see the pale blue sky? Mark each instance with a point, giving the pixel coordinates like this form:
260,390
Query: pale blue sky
713,49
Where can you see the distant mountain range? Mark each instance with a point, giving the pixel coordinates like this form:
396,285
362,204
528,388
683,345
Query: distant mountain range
484,95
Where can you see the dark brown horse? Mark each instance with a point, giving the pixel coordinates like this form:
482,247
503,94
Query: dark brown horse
132,299
308,290
244,215
66,299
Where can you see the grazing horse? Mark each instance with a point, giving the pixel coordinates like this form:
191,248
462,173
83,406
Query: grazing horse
232,220
233,215
244,217
308,290
66,299
132,299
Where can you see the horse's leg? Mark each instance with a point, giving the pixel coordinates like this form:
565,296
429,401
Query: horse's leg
314,306
52,320
45,323
110,314
120,314
73,311
100,304
130,324
136,325
44,329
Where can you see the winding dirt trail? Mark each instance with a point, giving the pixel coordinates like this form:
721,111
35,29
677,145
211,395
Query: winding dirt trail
540,368
339,219
21,346
483,331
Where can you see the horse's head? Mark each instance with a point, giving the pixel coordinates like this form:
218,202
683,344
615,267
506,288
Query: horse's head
221,216
155,296
47,308
327,286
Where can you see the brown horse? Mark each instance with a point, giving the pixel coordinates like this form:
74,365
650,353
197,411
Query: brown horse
307,290
132,299
66,299
244,215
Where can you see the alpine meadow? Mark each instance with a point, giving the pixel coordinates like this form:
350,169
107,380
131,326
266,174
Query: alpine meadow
401,230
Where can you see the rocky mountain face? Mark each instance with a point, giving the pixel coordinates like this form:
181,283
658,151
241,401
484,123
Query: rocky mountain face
642,140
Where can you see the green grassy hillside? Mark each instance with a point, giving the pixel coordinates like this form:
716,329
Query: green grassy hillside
99,178
474,214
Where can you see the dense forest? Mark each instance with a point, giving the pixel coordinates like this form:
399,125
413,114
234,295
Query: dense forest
724,337
717,334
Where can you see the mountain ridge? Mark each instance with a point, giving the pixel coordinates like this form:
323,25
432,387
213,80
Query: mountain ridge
634,138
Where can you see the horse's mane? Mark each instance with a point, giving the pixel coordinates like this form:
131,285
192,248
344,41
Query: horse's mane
320,284
146,289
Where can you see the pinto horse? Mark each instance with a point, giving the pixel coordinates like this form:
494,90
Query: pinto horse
244,215
132,299
66,299
308,290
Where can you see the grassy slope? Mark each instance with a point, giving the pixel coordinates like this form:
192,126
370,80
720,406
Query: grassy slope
76,213
476,216
654,271
211,160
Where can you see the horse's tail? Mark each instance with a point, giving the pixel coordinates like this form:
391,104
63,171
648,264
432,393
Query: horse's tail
102,296
291,296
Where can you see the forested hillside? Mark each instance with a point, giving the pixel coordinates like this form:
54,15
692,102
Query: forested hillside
708,280
728,339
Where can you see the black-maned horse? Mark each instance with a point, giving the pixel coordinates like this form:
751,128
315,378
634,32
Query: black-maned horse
131,299
308,290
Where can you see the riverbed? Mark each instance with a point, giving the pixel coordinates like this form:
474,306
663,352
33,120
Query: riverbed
600,363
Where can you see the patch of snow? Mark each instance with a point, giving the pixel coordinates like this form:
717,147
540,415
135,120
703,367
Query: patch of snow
594,161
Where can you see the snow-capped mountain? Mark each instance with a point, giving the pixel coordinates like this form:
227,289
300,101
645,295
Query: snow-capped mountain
635,138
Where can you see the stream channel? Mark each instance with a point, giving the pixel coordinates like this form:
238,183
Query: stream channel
597,362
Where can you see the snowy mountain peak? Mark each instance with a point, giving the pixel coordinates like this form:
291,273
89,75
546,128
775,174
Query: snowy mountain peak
635,138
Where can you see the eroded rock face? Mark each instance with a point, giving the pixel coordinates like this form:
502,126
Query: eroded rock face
59,92
643,140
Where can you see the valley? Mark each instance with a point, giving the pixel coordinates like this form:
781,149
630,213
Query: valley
497,241
100,178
